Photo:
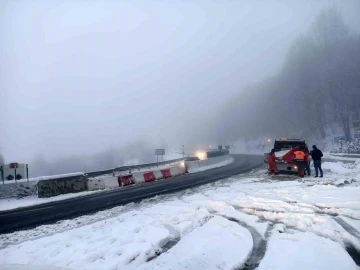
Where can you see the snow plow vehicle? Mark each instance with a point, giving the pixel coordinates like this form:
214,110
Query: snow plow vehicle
282,147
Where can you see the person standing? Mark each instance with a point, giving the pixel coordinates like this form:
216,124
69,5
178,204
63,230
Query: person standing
300,160
272,167
316,155
307,161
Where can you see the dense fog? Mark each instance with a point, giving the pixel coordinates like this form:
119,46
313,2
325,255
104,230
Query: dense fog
88,85
317,88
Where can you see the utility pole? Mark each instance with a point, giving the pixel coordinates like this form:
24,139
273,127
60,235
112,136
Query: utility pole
183,151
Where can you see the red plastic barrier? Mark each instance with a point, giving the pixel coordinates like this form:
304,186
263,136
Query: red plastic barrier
149,176
166,173
126,180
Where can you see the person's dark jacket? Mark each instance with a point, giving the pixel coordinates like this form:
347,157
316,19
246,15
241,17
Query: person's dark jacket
316,154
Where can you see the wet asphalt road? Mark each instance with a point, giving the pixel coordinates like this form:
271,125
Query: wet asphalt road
28,217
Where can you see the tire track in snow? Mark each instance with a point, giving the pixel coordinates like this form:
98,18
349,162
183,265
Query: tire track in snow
173,240
350,248
259,246
353,252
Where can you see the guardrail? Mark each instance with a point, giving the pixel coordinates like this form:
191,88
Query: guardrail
345,155
133,167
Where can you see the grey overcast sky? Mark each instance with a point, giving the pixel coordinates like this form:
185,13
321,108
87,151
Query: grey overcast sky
79,76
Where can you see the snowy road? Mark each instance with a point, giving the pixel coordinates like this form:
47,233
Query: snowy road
91,202
244,222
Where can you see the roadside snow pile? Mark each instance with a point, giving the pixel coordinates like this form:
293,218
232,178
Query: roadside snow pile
12,203
216,165
233,245
208,164
347,147
297,250
336,168
251,220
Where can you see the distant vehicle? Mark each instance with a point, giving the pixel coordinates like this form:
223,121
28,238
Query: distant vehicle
195,158
281,147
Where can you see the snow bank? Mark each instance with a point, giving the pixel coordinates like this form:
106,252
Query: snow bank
30,267
337,168
122,242
208,164
209,227
304,251
218,243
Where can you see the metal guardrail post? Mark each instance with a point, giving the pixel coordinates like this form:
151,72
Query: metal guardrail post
27,172
2,175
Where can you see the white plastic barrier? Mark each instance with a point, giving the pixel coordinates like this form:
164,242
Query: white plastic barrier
95,183
158,174
207,164
192,166
111,182
139,178
177,171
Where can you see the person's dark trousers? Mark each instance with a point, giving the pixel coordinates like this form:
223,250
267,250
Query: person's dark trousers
317,165
307,167
300,165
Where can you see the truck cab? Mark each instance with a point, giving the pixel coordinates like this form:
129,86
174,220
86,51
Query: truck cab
281,147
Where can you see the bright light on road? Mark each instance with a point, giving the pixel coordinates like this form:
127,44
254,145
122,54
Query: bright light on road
201,155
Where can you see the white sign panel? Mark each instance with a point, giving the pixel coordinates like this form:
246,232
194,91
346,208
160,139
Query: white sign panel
14,171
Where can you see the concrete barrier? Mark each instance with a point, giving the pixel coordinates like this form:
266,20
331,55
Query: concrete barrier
64,185
95,184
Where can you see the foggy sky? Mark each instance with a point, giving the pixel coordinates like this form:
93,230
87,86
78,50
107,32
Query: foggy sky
80,76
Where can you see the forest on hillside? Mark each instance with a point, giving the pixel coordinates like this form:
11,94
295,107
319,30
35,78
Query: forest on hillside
317,88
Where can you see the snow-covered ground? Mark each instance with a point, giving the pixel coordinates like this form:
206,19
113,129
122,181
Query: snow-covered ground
236,223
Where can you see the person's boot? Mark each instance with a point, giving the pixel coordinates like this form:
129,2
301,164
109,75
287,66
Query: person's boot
316,176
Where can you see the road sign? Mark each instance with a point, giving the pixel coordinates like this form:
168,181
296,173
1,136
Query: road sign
160,152
14,171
